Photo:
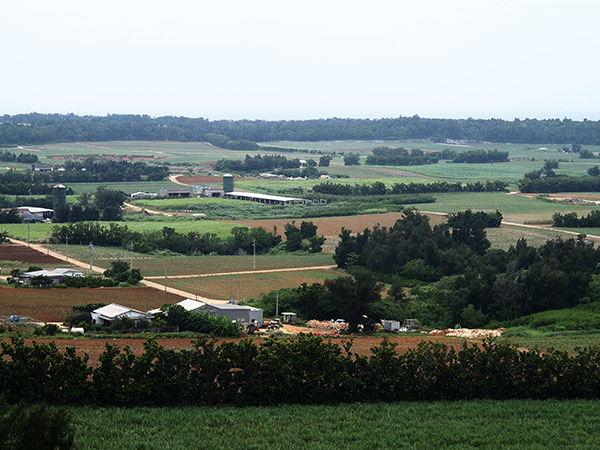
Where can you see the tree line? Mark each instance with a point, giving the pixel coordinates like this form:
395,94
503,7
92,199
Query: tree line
38,128
571,220
26,158
257,163
303,370
386,156
379,188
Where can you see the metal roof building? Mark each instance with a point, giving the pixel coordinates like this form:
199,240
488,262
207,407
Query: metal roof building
264,198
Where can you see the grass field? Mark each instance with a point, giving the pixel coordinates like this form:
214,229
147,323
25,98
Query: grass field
128,188
514,208
225,287
544,340
194,265
39,231
518,424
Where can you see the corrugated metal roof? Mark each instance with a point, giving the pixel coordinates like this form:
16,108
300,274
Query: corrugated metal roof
277,198
114,310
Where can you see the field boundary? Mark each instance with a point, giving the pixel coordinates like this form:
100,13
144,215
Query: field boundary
247,272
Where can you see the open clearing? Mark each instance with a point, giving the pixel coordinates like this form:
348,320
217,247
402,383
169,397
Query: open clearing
53,305
225,287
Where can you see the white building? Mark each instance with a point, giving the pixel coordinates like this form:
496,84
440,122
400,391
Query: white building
56,275
109,313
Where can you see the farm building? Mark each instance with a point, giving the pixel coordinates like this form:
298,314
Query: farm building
56,275
242,314
289,317
143,195
207,191
109,313
34,214
264,198
41,168
188,304
174,192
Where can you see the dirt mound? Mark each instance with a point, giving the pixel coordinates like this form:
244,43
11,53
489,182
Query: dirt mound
14,252
468,333
326,325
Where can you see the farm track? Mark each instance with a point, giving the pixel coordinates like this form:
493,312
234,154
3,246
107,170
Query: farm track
249,272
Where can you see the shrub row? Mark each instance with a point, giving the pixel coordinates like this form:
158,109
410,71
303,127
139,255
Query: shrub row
302,370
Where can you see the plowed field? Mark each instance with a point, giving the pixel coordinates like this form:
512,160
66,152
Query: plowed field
361,345
331,226
53,305
13,252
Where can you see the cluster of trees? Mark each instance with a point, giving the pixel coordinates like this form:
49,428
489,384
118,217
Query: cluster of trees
547,171
27,158
386,156
587,154
480,157
15,201
571,220
9,216
199,322
13,182
105,205
90,170
193,243
351,159
305,370
41,128
379,188
257,163
303,238
220,140
460,280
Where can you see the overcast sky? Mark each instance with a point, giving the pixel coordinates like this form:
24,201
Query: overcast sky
277,59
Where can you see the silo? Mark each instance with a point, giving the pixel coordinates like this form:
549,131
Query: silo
59,197
228,182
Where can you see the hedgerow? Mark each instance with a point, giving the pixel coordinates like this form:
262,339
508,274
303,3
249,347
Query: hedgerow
306,370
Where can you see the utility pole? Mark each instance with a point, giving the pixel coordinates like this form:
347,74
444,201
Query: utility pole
165,278
131,256
238,290
277,304
198,293
47,243
67,247
259,278
91,247
254,253
28,234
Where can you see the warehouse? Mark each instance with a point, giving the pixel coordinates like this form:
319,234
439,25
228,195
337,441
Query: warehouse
264,198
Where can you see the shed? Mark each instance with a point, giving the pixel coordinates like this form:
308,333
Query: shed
174,192
242,314
391,325
289,317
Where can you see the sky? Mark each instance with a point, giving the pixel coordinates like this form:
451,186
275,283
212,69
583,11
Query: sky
278,59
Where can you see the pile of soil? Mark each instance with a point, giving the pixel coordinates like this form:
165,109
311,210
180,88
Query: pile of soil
468,333
326,325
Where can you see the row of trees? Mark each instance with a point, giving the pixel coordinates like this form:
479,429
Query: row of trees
480,157
379,188
26,158
571,220
222,141
258,163
105,204
42,128
386,156
559,184
305,370
193,243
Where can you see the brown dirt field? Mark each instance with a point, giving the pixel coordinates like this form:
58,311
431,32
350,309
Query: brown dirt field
53,305
331,226
361,345
200,180
14,252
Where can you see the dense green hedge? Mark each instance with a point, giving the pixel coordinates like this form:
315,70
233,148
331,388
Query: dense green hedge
302,370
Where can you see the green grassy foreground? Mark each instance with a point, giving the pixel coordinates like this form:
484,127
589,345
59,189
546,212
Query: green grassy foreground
522,424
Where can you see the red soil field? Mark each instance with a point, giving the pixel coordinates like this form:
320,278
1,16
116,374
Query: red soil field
331,226
53,305
200,180
361,345
14,252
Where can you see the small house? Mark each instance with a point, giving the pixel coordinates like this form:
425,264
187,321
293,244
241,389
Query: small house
109,313
289,317
56,276
41,168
